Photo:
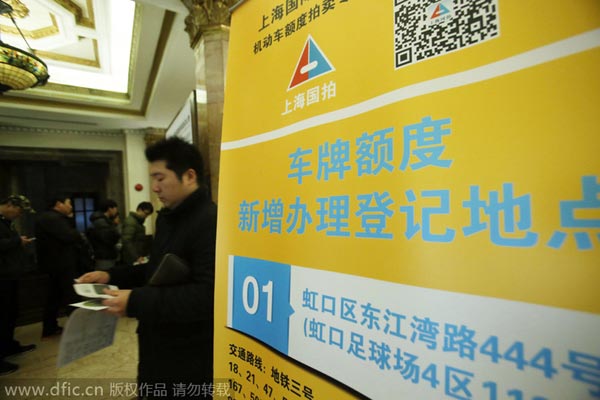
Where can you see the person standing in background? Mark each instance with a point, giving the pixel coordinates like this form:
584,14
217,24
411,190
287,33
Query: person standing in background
104,234
134,233
58,244
11,268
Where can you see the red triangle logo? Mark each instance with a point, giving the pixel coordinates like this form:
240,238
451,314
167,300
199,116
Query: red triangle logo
300,77
440,10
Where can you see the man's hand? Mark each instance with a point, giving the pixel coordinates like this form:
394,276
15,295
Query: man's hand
117,305
141,260
25,240
94,277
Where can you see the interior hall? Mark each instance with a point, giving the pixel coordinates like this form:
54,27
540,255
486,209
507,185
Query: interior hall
121,73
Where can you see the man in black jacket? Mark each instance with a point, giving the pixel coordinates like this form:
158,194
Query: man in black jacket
11,266
175,328
104,234
58,244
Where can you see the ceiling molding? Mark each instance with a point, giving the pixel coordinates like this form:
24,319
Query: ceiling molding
70,59
45,131
35,34
20,10
165,32
69,92
135,47
79,94
63,105
78,12
160,74
90,21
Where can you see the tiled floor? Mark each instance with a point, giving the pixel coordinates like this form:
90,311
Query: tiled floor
113,368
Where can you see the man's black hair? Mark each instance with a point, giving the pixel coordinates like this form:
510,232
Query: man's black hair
145,206
104,205
61,197
178,155
18,200
7,201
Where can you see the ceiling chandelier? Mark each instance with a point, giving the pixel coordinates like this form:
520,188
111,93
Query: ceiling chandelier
19,69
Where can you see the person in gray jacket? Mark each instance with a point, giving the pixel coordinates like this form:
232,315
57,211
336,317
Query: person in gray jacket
133,234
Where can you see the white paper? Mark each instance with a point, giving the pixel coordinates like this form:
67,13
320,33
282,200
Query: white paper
93,290
91,304
85,333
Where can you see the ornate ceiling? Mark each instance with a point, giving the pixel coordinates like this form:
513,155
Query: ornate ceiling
113,64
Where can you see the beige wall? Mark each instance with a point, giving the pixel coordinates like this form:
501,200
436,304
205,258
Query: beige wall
136,171
61,139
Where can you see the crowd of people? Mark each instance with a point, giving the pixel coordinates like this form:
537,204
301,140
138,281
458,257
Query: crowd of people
175,331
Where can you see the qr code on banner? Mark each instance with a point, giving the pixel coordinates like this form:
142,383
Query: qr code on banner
428,28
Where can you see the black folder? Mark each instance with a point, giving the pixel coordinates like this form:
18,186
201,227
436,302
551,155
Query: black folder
172,270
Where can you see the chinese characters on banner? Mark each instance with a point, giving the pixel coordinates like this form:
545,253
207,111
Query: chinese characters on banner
409,201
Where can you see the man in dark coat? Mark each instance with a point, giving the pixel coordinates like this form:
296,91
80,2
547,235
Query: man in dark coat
104,234
133,234
175,328
11,268
58,246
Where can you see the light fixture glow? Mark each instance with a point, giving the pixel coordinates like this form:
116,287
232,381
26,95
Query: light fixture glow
19,69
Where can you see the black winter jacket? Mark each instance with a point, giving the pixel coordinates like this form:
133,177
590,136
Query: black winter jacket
103,236
176,322
12,254
58,243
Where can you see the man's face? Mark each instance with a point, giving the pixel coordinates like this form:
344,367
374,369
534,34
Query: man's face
65,208
170,190
143,213
12,212
113,212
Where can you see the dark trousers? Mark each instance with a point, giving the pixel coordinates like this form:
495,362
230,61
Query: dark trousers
8,315
166,361
60,294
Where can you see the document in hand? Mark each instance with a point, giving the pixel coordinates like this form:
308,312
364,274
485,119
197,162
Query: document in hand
172,270
95,292
85,333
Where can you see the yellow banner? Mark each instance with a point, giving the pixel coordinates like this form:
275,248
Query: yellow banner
440,145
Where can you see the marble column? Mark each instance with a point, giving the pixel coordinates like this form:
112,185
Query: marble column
208,28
